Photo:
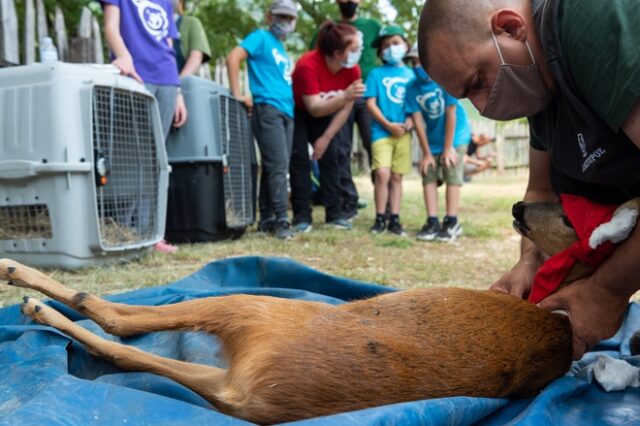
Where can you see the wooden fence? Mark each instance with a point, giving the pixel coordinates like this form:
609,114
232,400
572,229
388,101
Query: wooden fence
84,46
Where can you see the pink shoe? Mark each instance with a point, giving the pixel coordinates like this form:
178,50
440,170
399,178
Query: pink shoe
165,247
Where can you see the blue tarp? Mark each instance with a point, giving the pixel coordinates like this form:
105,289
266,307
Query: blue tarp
47,379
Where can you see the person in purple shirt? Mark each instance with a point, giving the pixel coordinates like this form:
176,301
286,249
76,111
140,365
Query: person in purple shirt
139,34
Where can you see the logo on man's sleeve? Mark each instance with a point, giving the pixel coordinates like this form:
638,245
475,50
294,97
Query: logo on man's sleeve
154,18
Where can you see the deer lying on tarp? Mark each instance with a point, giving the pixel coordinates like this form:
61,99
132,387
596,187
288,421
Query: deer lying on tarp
295,359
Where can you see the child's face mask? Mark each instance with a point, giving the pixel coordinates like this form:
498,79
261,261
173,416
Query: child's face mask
393,54
282,27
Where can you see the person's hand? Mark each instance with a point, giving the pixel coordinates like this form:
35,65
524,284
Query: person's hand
180,116
396,129
518,281
355,90
248,103
449,157
428,161
125,65
595,313
320,147
408,124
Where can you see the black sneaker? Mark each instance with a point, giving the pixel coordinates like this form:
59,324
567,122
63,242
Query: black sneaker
379,226
282,230
267,225
428,231
396,228
449,231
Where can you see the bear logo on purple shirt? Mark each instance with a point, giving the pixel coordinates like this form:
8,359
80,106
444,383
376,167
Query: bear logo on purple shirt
154,18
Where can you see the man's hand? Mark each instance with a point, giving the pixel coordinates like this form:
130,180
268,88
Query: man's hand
396,129
595,313
428,161
355,90
180,116
449,157
125,65
320,147
518,281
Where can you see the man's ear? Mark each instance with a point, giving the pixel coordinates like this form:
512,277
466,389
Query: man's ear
509,21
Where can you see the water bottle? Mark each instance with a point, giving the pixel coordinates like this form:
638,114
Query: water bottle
48,52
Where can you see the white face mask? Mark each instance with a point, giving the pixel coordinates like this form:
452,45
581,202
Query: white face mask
352,59
282,27
394,54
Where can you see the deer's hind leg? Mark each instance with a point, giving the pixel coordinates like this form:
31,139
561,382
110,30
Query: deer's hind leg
205,380
212,314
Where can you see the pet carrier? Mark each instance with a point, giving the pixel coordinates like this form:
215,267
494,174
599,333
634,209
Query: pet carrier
83,169
212,184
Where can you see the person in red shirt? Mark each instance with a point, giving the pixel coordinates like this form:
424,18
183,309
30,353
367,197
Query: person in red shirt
326,82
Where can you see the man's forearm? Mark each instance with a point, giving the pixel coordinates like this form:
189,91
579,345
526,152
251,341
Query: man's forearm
193,63
318,107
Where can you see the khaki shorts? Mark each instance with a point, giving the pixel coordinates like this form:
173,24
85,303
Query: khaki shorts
393,153
449,175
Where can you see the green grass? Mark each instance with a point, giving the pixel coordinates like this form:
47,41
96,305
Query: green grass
488,247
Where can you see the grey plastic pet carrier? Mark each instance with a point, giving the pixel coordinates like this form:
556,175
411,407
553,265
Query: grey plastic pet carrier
83,169
212,185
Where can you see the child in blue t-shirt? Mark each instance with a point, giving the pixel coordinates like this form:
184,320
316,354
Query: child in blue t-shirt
271,108
444,132
391,140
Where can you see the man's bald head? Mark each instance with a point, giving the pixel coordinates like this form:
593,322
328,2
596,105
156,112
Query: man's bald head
460,21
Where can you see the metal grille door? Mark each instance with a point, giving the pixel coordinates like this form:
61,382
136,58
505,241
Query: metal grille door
237,143
126,166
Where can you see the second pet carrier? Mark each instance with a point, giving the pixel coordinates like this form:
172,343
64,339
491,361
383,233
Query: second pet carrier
212,183
83,170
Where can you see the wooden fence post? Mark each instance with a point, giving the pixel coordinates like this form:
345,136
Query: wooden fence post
8,33
500,146
41,21
29,41
62,43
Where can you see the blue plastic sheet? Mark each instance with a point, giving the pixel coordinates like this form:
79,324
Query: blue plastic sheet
47,379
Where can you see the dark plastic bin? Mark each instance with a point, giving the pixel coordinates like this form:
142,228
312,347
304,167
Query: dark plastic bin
195,210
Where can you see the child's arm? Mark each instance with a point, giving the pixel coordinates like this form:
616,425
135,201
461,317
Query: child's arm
234,59
449,155
427,157
123,60
337,122
396,129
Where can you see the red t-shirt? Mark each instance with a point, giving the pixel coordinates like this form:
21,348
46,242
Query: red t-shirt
312,77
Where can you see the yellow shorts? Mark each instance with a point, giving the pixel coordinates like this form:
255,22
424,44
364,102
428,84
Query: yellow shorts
393,153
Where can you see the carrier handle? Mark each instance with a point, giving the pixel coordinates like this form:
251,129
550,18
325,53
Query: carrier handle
22,169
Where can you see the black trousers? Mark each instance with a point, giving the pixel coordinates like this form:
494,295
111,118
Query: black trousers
335,168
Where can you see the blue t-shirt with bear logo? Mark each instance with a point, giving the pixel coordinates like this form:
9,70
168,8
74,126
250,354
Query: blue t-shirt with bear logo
426,96
388,84
269,70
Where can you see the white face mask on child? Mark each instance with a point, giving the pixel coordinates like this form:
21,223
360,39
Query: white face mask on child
394,54
282,27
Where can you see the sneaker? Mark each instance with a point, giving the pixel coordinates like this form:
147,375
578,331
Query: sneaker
379,226
165,247
428,231
395,227
342,224
302,227
282,230
267,225
361,204
449,231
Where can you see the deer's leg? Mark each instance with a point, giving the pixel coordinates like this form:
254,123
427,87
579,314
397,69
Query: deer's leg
205,380
224,316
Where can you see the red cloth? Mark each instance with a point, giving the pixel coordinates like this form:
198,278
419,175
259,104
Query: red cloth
312,77
585,216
